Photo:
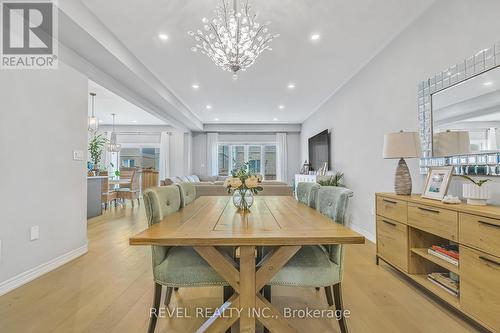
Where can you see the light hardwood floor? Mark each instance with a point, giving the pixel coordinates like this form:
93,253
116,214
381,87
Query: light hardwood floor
110,290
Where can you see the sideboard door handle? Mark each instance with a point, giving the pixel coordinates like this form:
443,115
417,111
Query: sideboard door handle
489,224
489,260
390,201
429,210
389,223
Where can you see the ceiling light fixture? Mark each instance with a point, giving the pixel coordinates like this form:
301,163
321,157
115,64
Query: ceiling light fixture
113,145
232,40
209,107
163,37
487,83
195,86
134,121
216,119
92,122
291,86
275,119
281,107
315,37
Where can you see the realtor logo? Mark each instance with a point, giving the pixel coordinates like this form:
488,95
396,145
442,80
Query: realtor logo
28,40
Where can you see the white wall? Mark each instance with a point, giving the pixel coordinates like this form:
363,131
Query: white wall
200,146
43,119
382,97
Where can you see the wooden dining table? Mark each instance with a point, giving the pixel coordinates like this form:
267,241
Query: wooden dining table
278,222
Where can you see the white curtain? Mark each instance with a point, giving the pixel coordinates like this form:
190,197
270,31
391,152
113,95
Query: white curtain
212,140
164,155
177,154
281,157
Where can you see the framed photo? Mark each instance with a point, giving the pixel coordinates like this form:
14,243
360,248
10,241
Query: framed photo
438,180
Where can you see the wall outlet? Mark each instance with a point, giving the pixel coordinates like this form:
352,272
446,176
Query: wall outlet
77,155
34,233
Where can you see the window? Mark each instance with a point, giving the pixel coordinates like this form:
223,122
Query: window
261,159
223,160
270,162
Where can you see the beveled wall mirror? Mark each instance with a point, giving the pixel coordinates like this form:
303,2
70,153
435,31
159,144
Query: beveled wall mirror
459,114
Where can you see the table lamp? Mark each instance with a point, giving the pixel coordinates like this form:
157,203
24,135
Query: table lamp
402,145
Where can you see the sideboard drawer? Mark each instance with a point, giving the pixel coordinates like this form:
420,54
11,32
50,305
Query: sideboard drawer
480,286
437,221
393,209
480,232
392,242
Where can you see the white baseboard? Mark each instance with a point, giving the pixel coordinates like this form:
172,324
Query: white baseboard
31,274
368,235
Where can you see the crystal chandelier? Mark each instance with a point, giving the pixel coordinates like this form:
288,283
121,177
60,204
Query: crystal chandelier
92,122
113,146
233,40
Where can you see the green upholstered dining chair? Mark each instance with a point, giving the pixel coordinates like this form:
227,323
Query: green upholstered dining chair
188,193
173,267
321,266
304,192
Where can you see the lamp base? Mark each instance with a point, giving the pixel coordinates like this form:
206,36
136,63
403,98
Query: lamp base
402,181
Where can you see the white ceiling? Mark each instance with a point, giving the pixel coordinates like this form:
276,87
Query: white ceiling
107,103
352,32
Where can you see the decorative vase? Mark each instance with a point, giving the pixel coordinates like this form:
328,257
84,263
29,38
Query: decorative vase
476,195
243,199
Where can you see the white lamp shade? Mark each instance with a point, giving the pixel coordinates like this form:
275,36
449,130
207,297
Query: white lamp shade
93,124
451,143
402,145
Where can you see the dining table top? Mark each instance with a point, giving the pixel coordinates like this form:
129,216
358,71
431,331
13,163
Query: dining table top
272,221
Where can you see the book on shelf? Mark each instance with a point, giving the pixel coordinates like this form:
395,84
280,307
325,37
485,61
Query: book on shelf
449,250
443,256
443,281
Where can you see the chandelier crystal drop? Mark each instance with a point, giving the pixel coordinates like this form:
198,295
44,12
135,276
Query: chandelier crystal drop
113,146
233,39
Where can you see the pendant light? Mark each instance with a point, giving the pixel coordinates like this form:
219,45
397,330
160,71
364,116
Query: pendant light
93,122
113,146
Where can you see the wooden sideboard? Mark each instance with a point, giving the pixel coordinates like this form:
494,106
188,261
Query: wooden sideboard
408,225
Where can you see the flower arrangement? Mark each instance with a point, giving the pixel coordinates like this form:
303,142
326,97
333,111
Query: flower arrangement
244,184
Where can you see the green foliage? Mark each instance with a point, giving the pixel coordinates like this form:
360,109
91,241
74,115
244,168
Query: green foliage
479,183
335,180
96,146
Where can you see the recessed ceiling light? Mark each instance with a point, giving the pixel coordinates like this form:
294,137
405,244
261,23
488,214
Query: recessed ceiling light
281,107
291,86
275,119
163,37
134,121
487,83
209,107
216,119
315,37
195,86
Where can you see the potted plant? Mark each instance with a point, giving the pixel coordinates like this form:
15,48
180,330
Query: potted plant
244,185
96,147
475,191
335,180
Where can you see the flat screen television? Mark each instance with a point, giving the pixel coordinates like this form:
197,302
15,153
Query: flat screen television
319,150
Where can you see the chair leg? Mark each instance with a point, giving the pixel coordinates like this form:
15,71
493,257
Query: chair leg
168,296
138,202
176,289
339,306
132,201
156,307
105,206
318,288
329,296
